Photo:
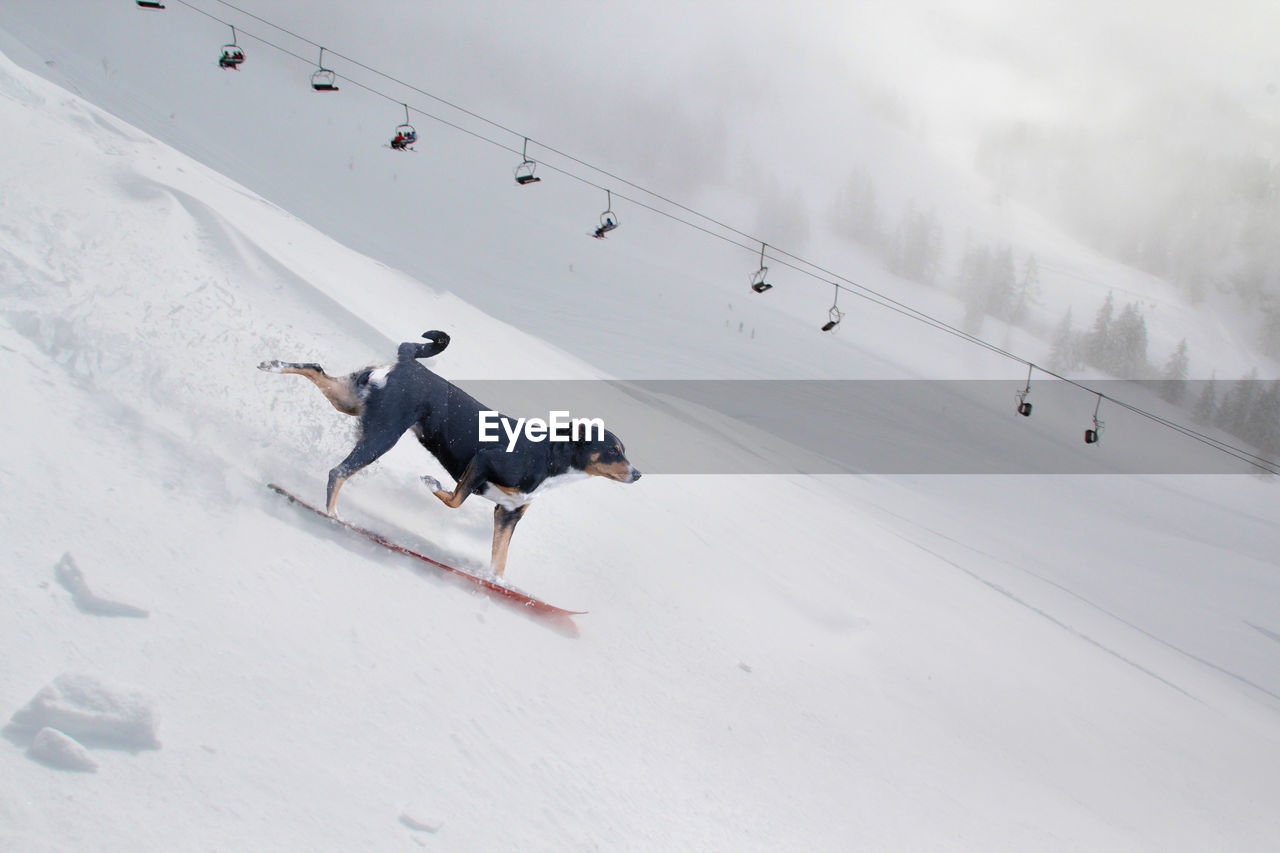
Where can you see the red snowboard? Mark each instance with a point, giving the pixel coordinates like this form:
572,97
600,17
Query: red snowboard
558,616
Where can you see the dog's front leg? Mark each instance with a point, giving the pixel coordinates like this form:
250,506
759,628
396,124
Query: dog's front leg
472,477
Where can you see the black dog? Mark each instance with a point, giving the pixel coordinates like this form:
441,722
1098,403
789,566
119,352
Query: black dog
392,399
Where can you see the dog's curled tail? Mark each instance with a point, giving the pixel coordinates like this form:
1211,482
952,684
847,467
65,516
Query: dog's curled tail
437,341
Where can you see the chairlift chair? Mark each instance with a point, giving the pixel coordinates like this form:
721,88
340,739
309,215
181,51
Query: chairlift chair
232,55
150,4
758,283
1091,436
323,80
405,134
834,315
525,171
608,222
608,219
1024,408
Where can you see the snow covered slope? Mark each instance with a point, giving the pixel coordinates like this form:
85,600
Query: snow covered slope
802,663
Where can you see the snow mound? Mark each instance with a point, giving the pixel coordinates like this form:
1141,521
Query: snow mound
88,708
62,751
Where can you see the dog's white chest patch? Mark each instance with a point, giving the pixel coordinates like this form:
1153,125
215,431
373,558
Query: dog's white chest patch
518,499
559,480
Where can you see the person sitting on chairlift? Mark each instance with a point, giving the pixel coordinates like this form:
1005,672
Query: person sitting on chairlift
605,227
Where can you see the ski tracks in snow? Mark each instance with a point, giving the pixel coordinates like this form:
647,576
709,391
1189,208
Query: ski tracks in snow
1005,591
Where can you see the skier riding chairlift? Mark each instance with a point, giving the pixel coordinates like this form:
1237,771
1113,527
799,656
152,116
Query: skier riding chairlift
607,224
403,139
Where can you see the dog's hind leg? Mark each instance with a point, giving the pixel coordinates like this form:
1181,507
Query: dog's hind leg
365,453
384,419
340,391
504,524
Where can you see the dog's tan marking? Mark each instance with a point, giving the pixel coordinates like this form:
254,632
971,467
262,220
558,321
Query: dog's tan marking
333,495
504,524
453,499
472,476
619,471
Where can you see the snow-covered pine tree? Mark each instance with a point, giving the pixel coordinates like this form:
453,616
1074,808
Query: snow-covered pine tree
917,248
1262,423
1173,378
1002,278
1097,341
1065,351
1024,290
1127,350
857,213
1234,411
1206,404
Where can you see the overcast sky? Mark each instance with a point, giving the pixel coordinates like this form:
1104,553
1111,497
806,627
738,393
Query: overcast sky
773,98
690,96
757,113
953,61
685,83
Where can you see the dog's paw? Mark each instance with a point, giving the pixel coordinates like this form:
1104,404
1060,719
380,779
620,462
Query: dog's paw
272,366
432,483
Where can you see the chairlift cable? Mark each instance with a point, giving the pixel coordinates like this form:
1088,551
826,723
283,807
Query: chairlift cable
748,242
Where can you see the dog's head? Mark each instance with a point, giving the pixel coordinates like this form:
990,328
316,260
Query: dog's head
607,457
